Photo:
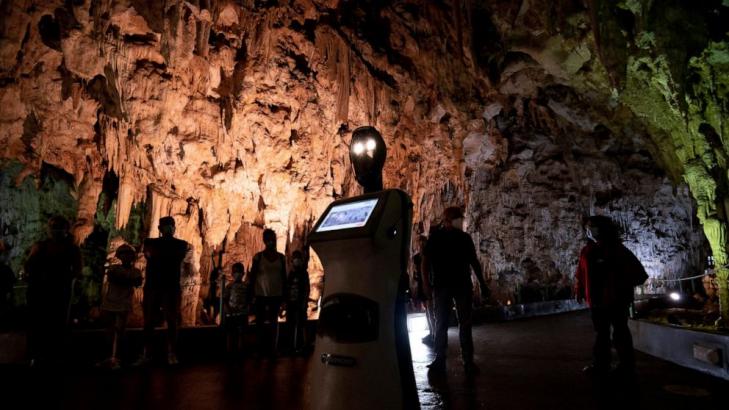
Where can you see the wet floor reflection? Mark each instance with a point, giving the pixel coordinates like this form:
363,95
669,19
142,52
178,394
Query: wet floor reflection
430,397
531,364
454,390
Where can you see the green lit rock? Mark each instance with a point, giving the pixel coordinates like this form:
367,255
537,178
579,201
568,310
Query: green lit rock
27,203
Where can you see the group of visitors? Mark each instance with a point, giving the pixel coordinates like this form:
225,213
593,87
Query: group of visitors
55,263
267,292
606,276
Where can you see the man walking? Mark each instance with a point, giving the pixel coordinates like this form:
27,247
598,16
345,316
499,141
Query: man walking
449,257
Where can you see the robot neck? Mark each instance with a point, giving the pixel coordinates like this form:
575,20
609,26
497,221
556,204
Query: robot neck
371,184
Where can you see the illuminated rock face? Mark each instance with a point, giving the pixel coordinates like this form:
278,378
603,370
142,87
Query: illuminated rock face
526,214
234,116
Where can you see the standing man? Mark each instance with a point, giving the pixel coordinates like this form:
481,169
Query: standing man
606,274
51,267
268,276
167,258
297,300
449,257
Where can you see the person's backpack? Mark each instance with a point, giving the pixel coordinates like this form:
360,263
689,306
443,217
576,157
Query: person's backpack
614,273
634,268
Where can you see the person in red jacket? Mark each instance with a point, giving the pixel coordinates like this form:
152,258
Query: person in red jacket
606,274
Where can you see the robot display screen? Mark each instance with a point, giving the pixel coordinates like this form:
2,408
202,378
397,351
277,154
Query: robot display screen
346,216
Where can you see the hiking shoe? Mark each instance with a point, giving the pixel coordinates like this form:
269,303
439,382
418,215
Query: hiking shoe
172,359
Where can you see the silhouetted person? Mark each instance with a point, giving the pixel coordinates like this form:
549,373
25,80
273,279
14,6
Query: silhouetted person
606,274
268,276
297,300
166,257
236,307
7,281
449,257
212,301
121,279
51,267
420,297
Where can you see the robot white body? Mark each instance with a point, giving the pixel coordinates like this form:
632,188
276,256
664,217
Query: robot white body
362,355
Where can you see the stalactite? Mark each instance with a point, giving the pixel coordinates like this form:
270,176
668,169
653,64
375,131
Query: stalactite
343,77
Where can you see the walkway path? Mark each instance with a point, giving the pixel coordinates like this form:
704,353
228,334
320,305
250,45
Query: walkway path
527,364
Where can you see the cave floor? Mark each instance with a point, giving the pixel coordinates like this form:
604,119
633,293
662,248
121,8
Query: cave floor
527,364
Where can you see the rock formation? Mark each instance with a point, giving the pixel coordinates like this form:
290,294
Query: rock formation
235,116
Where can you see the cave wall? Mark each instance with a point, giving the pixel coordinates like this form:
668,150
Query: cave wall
234,116
665,63
525,214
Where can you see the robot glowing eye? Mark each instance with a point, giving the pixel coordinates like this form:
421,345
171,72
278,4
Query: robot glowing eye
371,144
358,148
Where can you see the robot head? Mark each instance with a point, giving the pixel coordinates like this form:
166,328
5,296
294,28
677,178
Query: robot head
368,153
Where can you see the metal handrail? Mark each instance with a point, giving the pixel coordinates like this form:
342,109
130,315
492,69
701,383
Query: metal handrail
681,279
690,277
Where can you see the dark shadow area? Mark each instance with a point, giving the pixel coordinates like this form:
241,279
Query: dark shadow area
525,364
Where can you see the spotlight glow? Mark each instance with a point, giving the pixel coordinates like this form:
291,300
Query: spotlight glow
371,144
358,148
675,296
417,323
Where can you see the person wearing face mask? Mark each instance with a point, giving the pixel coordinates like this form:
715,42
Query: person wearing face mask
168,258
297,300
268,276
51,266
449,256
606,274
